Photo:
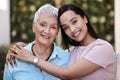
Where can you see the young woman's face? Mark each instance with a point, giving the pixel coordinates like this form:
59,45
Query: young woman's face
46,29
74,25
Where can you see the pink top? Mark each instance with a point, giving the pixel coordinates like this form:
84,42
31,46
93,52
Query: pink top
99,52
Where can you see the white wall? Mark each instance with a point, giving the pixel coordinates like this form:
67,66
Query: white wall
117,35
4,22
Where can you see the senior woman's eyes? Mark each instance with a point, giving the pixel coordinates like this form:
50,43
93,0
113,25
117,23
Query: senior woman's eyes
54,26
51,26
42,24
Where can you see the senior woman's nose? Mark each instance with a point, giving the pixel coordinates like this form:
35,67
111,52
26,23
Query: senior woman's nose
47,30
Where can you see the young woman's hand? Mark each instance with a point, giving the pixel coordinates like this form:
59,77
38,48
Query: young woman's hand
11,59
22,54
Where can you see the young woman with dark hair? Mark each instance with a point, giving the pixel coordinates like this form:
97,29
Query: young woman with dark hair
91,58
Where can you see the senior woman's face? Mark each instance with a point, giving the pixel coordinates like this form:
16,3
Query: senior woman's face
45,29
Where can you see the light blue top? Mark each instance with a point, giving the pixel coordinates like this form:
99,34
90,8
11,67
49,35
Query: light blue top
28,71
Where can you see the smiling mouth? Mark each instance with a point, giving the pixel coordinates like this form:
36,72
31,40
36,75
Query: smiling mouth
45,36
77,33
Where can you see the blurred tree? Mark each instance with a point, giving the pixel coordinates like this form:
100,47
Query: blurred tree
100,13
3,51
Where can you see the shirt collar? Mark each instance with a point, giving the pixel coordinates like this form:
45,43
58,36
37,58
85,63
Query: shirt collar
55,52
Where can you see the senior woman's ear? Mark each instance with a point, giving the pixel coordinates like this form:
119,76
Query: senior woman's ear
33,27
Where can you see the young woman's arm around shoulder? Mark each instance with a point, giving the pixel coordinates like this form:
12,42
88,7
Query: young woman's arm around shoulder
80,68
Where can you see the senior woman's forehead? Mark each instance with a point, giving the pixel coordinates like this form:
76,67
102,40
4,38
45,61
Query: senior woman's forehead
48,17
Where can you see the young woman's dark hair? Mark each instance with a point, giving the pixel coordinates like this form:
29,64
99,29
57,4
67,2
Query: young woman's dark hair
66,40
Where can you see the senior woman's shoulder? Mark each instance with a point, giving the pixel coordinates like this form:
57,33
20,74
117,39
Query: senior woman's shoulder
60,50
29,46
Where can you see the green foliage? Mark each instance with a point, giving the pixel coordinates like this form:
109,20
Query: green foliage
3,51
100,13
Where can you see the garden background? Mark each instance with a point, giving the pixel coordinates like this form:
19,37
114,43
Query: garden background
100,13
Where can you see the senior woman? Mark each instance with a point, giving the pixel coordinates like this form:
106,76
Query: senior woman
91,58
45,28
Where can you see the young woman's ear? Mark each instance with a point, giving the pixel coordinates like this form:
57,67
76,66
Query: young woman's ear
85,18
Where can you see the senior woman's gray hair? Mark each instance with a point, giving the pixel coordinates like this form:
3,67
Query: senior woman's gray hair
48,9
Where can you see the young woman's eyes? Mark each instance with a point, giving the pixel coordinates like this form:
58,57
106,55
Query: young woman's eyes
74,21
65,27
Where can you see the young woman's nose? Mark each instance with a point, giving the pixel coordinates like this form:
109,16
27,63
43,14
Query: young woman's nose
72,28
